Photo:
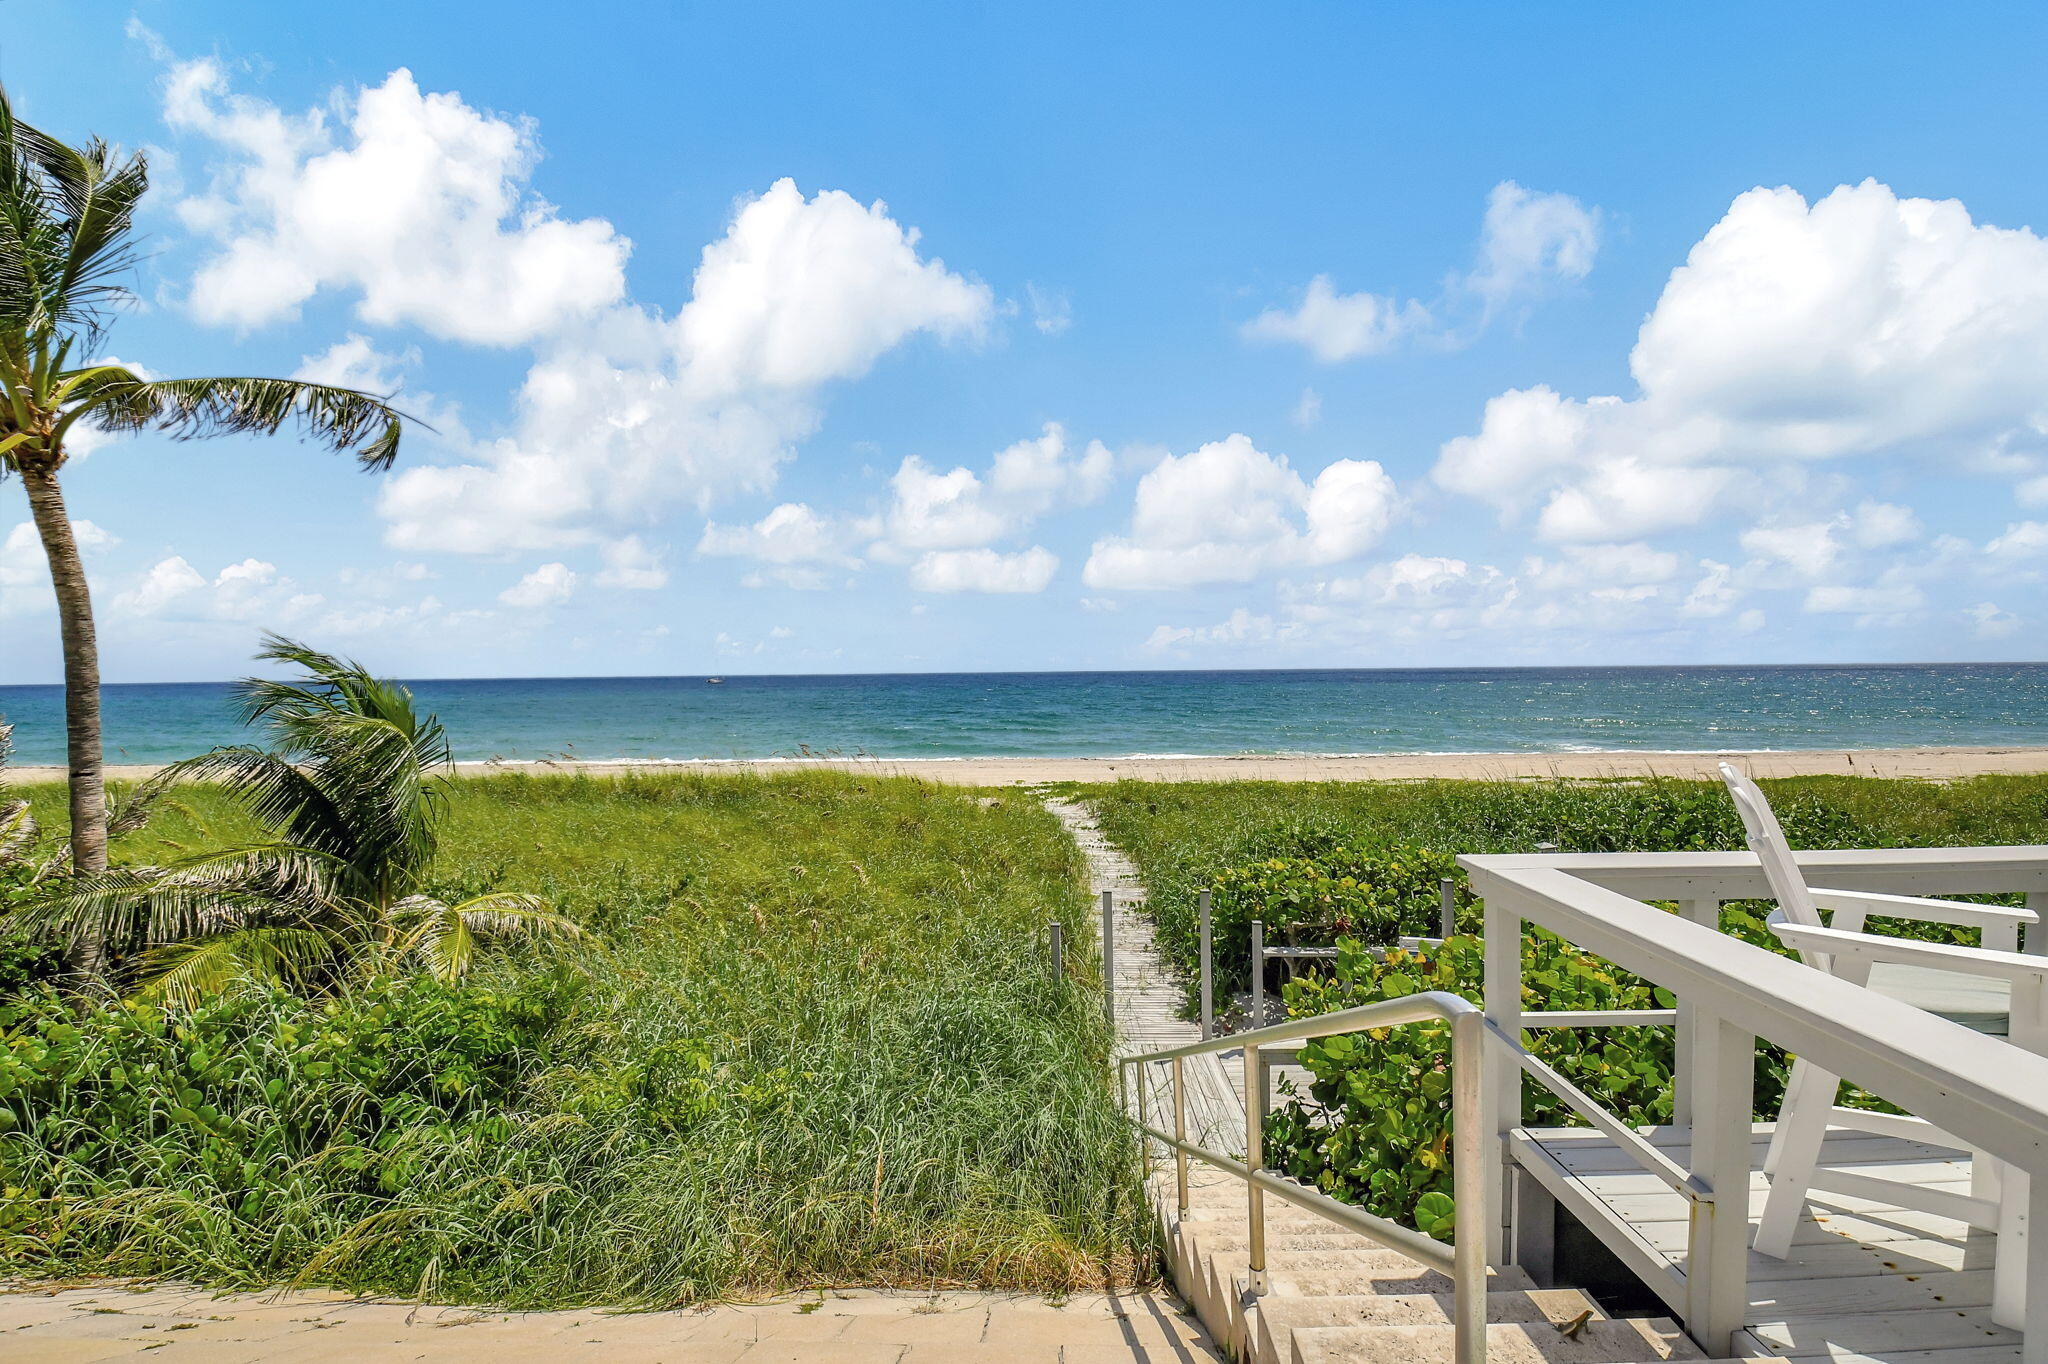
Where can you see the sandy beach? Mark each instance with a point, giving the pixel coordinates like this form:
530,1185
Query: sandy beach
1932,764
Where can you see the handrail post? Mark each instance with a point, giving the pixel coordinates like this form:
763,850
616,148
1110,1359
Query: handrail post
1109,955
1144,1082
1258,974
1707,913
1180,1134
1501,1097
1469,1184
1717,1254
1255,1161
1208,984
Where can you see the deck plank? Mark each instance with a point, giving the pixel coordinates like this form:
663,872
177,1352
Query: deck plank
1865,1283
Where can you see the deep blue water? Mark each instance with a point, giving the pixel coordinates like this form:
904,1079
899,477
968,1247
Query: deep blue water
1025,714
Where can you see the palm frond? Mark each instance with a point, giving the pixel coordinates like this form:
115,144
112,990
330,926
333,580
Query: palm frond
342,419
190,972
18,830
136,907
97,191
31,242
361,744
446,937
66,222
283,797
130,812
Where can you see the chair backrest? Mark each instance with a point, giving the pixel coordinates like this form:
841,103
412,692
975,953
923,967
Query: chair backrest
1767,841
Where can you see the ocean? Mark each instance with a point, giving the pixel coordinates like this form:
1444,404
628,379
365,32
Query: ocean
1100,714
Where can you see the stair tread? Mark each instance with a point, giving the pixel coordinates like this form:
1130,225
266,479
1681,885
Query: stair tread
1344,1283
1425,1309
1630,1341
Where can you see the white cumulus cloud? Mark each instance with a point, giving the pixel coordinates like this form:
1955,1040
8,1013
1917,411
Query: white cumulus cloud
548,585
1529,240
415,201
1228,511
983,570
1794,333
648,413
960,509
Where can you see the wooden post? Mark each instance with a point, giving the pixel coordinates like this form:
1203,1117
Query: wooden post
1208,983
1447,907
1180,1134
1254,1161
1258,974
1056,950
1469,1140
1707,914
1501,1099
1717,1257
2019,1293
1109,954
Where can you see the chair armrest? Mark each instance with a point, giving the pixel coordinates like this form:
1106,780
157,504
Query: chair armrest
1969,961
1928,911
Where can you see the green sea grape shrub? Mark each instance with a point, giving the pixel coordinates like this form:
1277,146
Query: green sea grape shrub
1374,1126
1374,893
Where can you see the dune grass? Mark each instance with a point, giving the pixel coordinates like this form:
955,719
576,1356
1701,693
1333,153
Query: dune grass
812,1040
1183,835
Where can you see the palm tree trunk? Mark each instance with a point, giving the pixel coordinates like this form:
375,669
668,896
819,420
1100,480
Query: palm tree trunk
81,686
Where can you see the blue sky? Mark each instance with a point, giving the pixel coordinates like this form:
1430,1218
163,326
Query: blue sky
779,338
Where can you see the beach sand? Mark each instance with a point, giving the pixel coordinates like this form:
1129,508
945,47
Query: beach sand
1936,764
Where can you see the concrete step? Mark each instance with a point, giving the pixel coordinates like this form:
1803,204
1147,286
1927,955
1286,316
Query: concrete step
1217,1284
1326,1237
1394,1279
1279,1317
1630,1341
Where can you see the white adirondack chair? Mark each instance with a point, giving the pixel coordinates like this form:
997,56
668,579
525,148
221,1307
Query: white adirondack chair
1994,989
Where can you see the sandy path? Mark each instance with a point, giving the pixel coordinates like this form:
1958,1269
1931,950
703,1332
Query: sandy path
1938,764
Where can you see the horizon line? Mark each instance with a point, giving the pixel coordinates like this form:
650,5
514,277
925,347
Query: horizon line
1129,672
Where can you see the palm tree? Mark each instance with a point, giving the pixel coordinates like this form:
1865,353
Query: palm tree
66,247
353,791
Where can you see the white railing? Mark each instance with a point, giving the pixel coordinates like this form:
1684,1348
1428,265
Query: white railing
1987,1091
1465,1261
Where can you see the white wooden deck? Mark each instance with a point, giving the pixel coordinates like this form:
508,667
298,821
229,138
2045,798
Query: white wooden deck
1864,1283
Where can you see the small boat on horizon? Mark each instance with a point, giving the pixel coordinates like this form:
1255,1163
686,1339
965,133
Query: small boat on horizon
715,681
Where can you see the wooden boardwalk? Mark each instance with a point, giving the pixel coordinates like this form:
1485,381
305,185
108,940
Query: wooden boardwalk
1865,1282
1149,997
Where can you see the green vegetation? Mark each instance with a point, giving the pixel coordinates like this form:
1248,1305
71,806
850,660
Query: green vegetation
808,1037
1359,860
1188,836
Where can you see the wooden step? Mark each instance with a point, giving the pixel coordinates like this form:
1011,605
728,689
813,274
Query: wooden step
1629,1341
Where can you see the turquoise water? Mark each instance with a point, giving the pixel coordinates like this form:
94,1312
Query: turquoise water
941,715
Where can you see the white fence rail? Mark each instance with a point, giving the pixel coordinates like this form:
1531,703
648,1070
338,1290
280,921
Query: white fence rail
1990,1092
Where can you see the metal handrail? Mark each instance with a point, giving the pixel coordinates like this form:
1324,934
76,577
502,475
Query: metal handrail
1465,1260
